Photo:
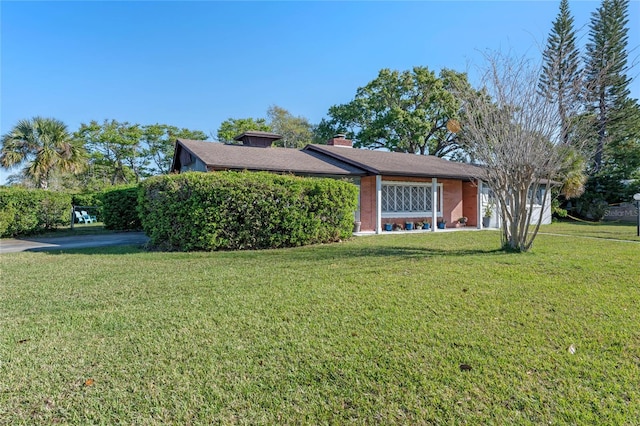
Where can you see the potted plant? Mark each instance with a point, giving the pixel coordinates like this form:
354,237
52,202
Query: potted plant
388,226
426,225
488,212
463,221
408,226
442,224
419,225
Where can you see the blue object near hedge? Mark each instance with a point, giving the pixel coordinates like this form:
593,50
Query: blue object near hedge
408,226
441,225
427,225
388,227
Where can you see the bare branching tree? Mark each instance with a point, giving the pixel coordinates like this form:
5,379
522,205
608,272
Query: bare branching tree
514,130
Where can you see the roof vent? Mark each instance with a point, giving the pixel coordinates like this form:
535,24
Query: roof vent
257,139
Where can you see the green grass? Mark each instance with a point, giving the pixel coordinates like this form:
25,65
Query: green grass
370,331
612,230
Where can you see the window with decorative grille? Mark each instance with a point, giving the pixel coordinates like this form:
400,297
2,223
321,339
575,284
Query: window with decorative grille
403,198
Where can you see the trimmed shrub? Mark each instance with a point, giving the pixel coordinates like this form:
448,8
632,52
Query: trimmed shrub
245,210
119,208
30,211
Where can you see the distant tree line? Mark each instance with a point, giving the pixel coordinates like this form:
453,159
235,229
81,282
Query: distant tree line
296,131
95,156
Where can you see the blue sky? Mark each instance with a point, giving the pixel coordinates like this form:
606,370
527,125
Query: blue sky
195,64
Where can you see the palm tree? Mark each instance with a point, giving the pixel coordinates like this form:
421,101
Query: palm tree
45,145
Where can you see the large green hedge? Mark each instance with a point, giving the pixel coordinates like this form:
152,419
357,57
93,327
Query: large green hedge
243,210
29,211
119,208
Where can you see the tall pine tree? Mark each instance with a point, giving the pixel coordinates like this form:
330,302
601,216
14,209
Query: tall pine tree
606,67
560,80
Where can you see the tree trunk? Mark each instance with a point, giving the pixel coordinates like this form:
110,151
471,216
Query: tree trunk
602,133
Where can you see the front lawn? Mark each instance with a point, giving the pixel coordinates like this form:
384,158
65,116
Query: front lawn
376,330
610,230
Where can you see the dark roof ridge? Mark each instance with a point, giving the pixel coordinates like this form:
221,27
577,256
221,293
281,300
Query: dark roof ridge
319,148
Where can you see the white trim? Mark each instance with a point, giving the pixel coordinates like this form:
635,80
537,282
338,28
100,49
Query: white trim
356,215
435,194
479,215
378,204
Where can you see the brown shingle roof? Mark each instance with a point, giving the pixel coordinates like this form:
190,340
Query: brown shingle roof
399,164
219,156
326,160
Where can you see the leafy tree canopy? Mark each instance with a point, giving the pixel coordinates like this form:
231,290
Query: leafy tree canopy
45,146
232,127
159,141
121,152
408,111
296,132
115,150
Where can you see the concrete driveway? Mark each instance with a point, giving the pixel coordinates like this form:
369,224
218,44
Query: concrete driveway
10,245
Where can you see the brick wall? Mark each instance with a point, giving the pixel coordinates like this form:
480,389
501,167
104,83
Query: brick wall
452,201
368,203
470,202
459,199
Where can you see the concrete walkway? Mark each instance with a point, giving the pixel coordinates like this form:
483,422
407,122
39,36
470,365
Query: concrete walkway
10,245
423,231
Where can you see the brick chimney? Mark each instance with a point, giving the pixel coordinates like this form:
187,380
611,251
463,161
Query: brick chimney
339,140
257,139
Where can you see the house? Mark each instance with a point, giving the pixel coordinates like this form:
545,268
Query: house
394,187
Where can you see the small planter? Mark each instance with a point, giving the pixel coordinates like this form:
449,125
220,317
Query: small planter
426,225
388,227
408,226
486,221
442,225
356,226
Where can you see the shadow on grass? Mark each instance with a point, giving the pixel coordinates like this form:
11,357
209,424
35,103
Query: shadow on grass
396,251
370,247
325,252
106,250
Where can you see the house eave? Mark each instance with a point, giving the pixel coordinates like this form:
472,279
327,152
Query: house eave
467,178
213,167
